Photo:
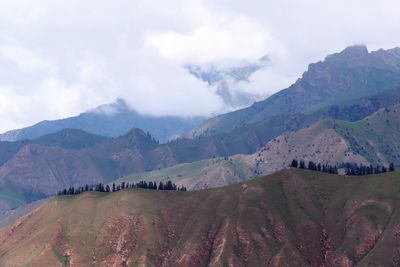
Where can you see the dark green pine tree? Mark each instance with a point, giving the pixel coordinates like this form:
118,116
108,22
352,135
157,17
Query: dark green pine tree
391,167
294,164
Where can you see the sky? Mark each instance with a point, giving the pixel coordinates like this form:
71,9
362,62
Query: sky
61,58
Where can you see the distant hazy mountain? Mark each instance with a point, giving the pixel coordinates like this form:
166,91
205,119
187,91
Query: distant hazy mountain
341,79
226,81
111,120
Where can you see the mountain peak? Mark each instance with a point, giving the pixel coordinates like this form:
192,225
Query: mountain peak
118,106
356,49
70,138
351,54
135,132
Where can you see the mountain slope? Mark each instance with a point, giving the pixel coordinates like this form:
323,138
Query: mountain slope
197,175
373,140
111,120
42,167
39,168
291,218
340,79
8,149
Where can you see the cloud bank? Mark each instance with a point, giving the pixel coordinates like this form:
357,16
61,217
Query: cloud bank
60,58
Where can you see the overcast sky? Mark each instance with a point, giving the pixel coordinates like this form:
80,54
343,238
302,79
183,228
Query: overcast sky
60,58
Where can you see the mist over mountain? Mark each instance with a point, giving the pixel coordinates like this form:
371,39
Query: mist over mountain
343,109
341,79
228,81
110,120
73,157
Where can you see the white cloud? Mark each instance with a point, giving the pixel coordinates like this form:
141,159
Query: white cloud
216,39
26,59
60,58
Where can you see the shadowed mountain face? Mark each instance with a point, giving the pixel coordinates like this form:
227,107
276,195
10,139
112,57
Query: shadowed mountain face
110,120
40,167
340,80
291,218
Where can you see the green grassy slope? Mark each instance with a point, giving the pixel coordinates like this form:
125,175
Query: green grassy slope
291,218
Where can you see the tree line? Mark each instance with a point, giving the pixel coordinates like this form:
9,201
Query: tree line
314,167
167,186
352,169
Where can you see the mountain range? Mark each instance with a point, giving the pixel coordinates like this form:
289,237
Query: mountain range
372,141
110,120
328,131
344,109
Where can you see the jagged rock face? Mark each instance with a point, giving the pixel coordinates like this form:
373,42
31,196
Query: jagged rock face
291,218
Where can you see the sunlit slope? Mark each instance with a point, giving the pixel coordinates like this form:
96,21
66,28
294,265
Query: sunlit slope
291,218
202,174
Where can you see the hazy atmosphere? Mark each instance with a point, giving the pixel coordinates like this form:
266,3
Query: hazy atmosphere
60,58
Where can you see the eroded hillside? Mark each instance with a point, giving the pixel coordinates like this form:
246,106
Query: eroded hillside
291,218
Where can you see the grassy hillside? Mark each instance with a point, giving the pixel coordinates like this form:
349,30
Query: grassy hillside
291,218
200,174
